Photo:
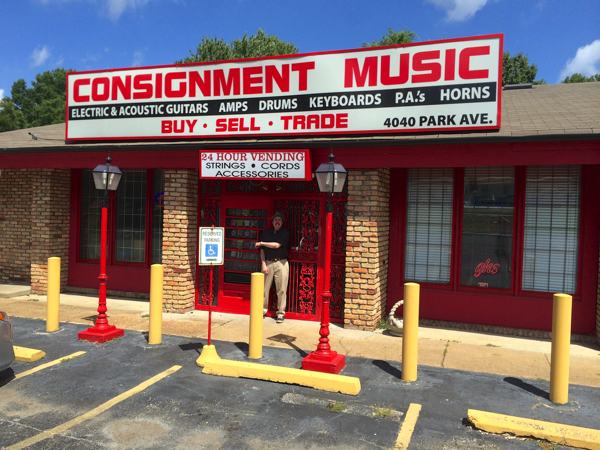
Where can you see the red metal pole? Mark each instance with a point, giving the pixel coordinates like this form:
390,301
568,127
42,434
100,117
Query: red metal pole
101,320
324,359
324,348
102,331
210,300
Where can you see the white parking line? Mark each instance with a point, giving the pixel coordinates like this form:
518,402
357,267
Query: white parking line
408,426
49,364
93,412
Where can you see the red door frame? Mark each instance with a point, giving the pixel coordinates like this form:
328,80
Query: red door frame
513,307
122,276
223,200
228,301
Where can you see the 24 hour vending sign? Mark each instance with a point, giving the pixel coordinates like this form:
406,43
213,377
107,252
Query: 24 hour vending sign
423,87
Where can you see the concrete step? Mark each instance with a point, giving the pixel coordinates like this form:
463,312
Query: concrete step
14,290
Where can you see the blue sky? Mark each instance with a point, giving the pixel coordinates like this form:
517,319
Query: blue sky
559,36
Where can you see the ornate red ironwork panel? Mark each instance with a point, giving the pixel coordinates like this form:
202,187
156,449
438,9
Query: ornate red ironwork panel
209,215
302,219
303,208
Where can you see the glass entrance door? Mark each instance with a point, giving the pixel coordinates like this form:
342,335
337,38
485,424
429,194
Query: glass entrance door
244,221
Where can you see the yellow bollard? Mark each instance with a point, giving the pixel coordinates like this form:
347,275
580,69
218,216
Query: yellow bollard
410,339
561,341
156,300
257,289
53,294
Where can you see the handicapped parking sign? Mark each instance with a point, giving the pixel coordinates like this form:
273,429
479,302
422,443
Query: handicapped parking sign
211,246
211,250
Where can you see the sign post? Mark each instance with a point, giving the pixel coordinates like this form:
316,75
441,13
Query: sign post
211,253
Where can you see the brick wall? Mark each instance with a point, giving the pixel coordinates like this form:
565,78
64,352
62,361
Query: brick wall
367,236
179,239
15,226
50,212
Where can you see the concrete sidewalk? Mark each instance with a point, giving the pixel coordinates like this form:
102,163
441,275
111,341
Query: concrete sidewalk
462,350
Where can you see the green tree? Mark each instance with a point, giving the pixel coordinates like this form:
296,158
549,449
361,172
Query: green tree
517,70
580,78
393,38
259,44
41,104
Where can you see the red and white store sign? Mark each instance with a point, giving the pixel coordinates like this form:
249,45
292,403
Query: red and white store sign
431,86
255,165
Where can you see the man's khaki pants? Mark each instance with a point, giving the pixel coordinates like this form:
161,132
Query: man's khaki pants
278,271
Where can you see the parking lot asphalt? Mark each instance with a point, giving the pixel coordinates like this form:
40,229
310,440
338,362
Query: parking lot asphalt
187,409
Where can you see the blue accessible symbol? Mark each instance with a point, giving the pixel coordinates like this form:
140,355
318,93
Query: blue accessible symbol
211,250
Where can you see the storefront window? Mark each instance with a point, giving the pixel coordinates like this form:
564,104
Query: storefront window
429,225
551,229
487,227
131,217
89,220
128,206
158,198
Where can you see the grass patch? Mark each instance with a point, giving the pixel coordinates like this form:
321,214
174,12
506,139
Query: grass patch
547,445
492,345
383,325
336,407
382,412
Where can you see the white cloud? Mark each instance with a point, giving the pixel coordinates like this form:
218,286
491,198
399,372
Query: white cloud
116,8
138,58
459,10
40,55
1,94
586,61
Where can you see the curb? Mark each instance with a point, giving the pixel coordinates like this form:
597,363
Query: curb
25,354
521,426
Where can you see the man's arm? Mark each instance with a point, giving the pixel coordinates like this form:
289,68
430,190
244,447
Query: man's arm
272,245
263,265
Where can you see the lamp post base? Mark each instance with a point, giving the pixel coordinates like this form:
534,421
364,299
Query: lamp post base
332,362
104,334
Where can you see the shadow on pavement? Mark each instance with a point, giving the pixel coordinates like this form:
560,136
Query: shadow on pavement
197,346
289,340
527,387
387,367
6,376
243,347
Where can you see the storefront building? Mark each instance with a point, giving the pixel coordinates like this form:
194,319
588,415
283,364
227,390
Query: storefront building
490,202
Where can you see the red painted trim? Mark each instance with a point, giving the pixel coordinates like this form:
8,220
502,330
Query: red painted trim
122,276
159,158
499,310
396,259
470,154
519,228
459,195
363,156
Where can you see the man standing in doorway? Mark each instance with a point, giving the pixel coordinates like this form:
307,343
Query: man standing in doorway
274,245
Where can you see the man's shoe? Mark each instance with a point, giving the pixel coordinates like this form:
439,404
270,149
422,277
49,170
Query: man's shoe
280,318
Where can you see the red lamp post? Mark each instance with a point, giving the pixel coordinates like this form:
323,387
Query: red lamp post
331,178
106,177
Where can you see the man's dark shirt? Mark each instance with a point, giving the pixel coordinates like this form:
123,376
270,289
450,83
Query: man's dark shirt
282,237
